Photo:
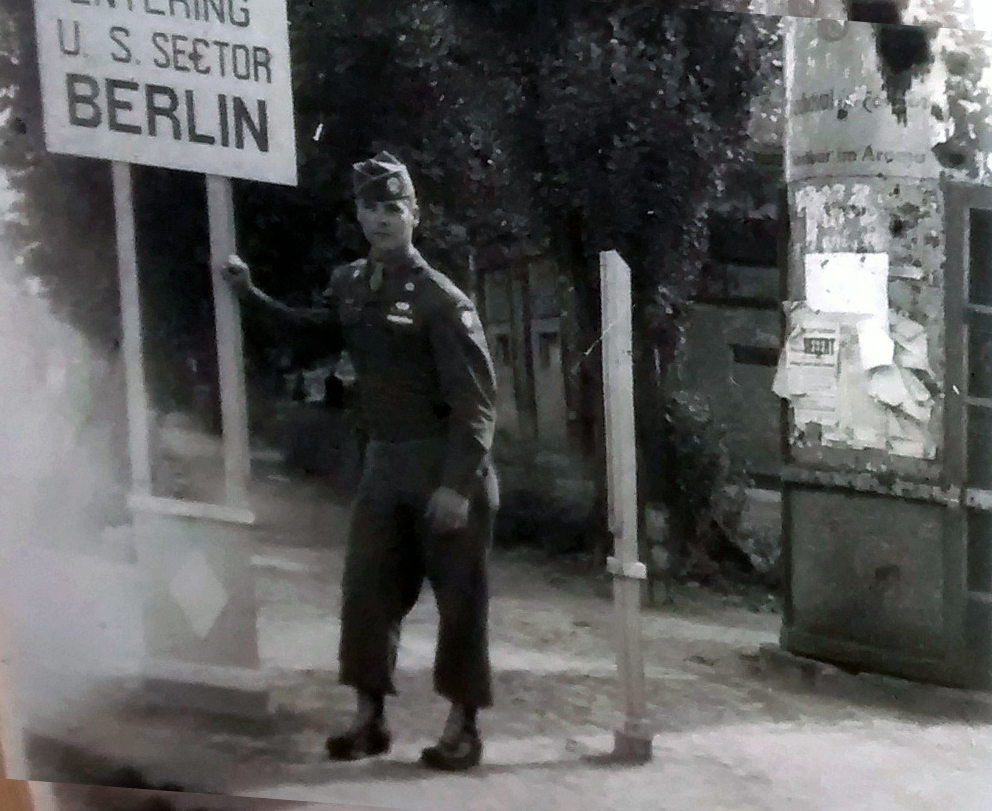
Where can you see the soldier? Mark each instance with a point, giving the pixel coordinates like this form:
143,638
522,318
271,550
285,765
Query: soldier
428,495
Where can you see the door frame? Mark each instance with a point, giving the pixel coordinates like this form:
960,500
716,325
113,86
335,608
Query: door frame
960,199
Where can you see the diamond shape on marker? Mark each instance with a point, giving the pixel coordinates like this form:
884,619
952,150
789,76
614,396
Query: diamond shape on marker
199,593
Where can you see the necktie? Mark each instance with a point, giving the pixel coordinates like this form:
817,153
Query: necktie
375,280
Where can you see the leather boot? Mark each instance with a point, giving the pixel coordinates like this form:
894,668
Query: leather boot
367,736
460,747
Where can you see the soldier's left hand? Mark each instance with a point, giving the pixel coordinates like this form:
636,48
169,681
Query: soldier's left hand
447,511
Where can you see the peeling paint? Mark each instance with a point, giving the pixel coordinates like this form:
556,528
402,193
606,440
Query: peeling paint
861,215
895,209
855,216
965,149
849,201
904,52
943,13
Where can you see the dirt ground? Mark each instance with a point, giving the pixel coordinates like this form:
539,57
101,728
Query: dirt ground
729,735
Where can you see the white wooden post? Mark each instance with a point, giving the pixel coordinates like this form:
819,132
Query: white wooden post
632,736
230,361
131,341
198,600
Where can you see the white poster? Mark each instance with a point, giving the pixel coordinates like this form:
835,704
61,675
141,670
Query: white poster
810,372
849,283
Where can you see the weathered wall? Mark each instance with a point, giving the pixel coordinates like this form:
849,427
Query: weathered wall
739,394
730,328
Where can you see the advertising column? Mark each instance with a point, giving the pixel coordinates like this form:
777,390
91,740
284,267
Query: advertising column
874,543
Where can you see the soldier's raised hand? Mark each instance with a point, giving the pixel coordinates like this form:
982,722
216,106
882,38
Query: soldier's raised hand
237,274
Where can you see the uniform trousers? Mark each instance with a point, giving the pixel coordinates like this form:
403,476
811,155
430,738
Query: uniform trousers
392,551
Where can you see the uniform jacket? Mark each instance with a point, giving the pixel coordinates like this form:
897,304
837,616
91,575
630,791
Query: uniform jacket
422,364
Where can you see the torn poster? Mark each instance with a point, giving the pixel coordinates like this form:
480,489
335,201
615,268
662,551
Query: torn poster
915,356
887,386
780,385
921,412
877,348
863,420
911,272
808,368
917,391
908,437
912,350
854,283
869,389
905,330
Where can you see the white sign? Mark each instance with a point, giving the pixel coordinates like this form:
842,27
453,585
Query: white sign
197,85
854,283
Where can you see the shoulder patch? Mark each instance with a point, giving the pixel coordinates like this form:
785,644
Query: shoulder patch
444,295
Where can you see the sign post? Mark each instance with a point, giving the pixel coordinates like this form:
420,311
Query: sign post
201,86
134,365
632,737
227,316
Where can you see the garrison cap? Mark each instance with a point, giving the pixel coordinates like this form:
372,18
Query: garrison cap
382,178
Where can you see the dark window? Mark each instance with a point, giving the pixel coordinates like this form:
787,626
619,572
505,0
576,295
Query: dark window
979,551
546,343
755,355
498,307
503,349
980,355
751,242
980,257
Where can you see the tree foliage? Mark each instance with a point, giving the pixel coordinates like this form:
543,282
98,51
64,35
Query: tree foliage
570,124
578,126
558,126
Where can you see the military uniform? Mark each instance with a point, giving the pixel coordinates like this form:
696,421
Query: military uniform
426,389
428,495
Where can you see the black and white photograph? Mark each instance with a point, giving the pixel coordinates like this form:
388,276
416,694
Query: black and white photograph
491,404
